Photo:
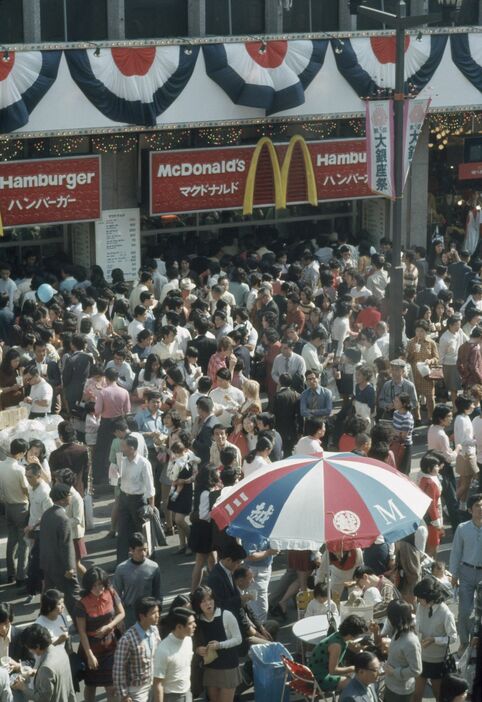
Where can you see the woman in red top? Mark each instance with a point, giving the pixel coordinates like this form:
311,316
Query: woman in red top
369,315
97,614
223,358
237,435
429,482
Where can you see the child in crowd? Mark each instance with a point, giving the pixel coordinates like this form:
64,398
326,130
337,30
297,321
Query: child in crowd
319,604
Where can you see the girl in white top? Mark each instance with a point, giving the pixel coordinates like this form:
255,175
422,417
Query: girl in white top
53,616
319,604
466,465
437,439
477,429
259,458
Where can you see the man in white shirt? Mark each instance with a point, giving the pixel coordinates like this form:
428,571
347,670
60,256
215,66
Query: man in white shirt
311,350
383,340
172,661
124,369
378,280
288,362
449,344
311,442
100,323
226,395
6,284
40,502
136,484
172,284
221,442
14,495
138,323
41,393
145,283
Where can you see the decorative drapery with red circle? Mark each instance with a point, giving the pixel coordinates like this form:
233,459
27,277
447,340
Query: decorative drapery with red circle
133,85
25,77
269,75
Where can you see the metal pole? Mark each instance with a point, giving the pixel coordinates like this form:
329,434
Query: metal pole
396,274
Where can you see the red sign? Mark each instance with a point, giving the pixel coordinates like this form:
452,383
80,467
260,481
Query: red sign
47,191
216,179
470,171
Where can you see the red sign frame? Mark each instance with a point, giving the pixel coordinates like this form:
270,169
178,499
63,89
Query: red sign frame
41,191
215,178
470,171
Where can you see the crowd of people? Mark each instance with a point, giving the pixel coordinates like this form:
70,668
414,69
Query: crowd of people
209,367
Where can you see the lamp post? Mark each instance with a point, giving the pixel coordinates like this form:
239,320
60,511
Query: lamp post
400,22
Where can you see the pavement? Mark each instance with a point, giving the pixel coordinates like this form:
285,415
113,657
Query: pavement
176,570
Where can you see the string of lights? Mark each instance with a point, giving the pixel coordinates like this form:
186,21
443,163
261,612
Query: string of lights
114,144
445,125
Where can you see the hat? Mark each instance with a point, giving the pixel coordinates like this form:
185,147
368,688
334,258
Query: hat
398,363
45,292
59,492
456,317
187,284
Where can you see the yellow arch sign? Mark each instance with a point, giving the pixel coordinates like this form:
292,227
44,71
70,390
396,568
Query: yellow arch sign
280,175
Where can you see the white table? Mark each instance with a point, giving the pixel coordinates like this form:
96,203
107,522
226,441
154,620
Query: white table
311,630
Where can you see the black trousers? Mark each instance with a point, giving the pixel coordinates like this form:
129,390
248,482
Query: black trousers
34,572
100,456
128,521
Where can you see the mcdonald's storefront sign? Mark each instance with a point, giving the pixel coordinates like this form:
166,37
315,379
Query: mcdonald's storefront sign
266,174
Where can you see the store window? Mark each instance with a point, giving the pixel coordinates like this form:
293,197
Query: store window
151,19
228,17
311,16
11,22
73,20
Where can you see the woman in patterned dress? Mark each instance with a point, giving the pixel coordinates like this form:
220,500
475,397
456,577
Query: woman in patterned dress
423,349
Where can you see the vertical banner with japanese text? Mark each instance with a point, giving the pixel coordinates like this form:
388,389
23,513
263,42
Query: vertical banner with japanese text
414,112
380,147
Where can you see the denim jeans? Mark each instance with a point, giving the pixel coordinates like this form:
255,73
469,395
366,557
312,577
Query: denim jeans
469,578
262,576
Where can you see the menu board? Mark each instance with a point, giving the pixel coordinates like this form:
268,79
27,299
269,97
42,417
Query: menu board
82,249
118,242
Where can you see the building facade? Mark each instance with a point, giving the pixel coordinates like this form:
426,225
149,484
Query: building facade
81,48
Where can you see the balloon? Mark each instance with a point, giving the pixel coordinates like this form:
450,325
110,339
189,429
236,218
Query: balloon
45,292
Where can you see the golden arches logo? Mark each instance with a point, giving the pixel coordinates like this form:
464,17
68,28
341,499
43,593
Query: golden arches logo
280,175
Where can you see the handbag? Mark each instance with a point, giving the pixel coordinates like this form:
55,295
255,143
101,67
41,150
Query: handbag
436,373
77,664
449,664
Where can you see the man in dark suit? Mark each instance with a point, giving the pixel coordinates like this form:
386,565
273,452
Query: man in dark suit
76,371
411,315
286,410
205,345
459,273
427,296
71,454
221,582
57,554
206,421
